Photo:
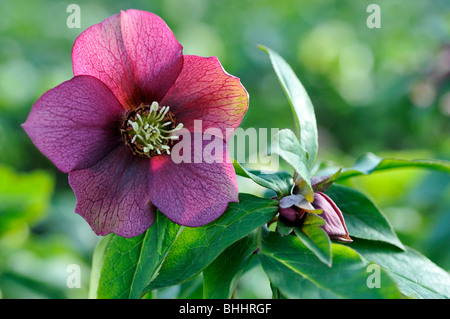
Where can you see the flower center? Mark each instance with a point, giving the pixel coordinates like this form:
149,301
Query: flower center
148,130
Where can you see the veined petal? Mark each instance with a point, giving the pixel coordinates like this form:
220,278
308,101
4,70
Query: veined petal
76,123
112,195
291,200
197,191
155,54
299,201
134,52
204,91
99,51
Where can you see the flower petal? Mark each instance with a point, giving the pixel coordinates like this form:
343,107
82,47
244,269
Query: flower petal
299,201
112,195
154,52
204,91
290,214
76,123
134,52
334,220
198,190
291,200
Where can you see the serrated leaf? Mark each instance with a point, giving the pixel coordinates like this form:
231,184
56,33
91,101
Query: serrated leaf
370,163
130,263
415,275
222,275
362,218
280,182
289,264
196,248
302,107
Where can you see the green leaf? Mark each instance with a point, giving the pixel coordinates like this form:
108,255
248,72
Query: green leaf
196,248
315,238
222,275
369,163
293,285
291,266
302,188
130,263
276,294
362,218
284,228
97,264
286,145
304,117
415,275
280,182
191,289
322,183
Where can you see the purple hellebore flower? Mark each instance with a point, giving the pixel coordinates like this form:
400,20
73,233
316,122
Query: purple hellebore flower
113,125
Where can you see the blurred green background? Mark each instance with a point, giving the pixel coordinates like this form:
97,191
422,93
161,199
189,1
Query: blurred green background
381,90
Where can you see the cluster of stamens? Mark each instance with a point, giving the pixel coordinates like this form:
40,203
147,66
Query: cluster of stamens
149,130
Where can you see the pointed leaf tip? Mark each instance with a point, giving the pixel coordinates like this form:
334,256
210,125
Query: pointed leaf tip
302,107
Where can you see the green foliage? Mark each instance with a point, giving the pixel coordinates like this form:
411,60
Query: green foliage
97,264
370,163
304,264
196,248
288,147
415,275
315,238
290,265
363,219
303,111
280,182
222,275
129,263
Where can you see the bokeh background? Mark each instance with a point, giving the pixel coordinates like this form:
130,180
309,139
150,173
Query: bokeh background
381,90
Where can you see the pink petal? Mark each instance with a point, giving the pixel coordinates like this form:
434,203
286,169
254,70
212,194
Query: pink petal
112,195
155,54
334,219
100,52
76,123
193,194
135,53
204,91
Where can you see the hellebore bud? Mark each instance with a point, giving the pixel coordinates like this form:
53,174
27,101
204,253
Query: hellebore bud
303,199
293,207
334,220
